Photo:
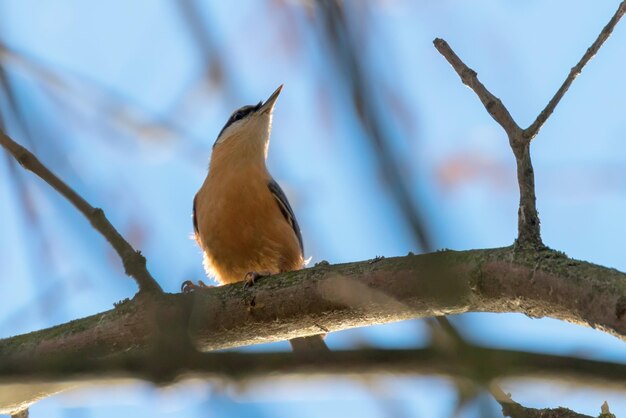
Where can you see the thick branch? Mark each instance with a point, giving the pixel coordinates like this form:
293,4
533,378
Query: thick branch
134,262
533,129
333,298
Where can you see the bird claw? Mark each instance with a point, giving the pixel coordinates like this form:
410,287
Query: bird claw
188,286
251,277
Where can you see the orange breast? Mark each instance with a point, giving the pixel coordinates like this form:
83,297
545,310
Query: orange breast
241,228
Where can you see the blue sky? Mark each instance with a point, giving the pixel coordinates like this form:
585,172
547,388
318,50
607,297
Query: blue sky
129,119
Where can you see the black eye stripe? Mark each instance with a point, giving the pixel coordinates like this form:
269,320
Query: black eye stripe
239,114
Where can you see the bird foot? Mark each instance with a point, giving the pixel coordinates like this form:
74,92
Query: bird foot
188,286
251,277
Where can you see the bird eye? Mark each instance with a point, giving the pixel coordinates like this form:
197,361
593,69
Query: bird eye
238,116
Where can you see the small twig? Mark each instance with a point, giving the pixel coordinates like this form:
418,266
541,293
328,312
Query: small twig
494,106
533,129
134,262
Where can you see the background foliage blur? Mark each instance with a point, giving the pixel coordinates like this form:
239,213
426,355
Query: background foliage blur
379,147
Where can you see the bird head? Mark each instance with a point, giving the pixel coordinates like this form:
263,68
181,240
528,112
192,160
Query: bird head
246,134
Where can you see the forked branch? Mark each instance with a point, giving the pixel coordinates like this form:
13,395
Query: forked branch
529,231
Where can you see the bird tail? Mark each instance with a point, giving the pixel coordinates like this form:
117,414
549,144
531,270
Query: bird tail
309,346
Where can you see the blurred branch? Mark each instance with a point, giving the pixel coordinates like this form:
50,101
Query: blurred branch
134,262
533,129
479,364
207,47
215,69
341,43
119,109
13,104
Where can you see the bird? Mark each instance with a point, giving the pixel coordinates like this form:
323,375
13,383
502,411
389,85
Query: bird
242,219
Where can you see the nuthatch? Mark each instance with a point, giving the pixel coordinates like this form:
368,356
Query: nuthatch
242,219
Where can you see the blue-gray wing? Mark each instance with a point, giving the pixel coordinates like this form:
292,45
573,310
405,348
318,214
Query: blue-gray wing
193,216
285,208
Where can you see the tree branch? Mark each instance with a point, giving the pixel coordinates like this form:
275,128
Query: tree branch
333,298
134,262
533,129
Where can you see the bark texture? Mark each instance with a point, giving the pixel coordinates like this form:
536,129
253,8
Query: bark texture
326,298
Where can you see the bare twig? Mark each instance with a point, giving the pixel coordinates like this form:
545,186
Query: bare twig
529,232
528,229
533,129
494,106
134,262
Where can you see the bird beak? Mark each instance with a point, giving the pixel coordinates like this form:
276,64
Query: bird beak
268,106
